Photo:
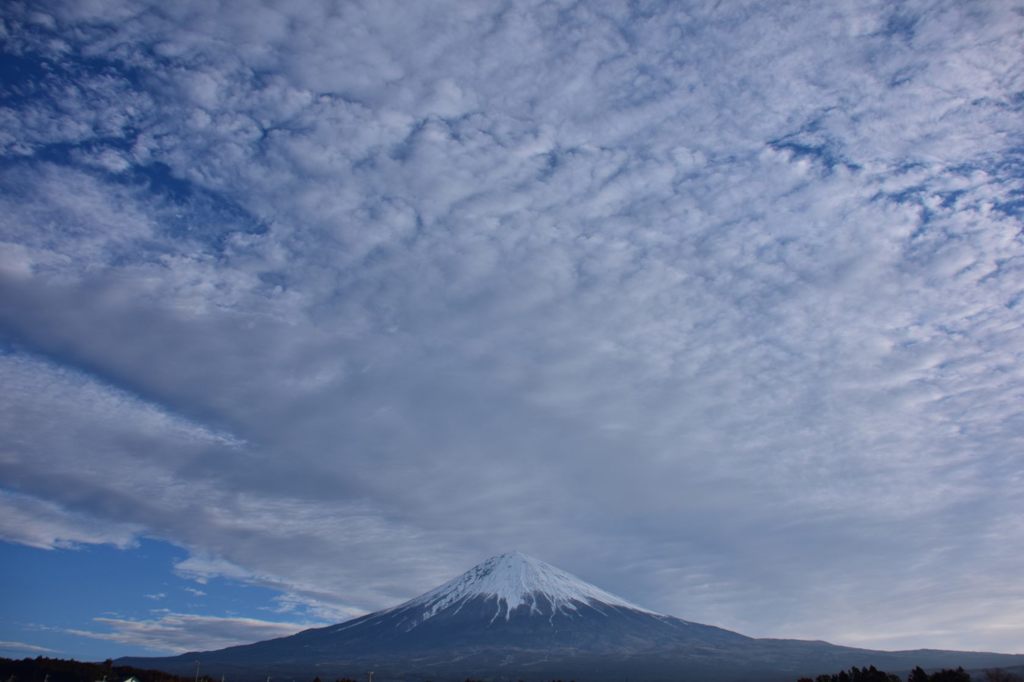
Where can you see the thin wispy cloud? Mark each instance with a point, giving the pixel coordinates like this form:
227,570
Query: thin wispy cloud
22,648
179,632
717,306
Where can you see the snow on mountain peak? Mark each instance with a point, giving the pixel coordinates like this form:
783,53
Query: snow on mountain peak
514,579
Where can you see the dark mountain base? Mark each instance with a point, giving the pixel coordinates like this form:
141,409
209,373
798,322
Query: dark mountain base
765,661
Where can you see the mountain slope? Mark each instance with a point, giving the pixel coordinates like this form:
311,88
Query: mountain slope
515,617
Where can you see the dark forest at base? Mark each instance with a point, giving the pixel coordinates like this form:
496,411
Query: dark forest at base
871,674
41,669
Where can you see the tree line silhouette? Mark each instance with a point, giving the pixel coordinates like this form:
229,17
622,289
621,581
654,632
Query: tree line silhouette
872,674
42,669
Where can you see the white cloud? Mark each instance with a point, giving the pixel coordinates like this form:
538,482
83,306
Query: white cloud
181,632
714,307
39,523
23,648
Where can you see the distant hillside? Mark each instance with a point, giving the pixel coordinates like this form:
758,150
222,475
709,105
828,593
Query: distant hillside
42,669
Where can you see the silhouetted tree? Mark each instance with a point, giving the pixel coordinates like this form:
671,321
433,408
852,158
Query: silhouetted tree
869,674
855,674
917,675
1000,675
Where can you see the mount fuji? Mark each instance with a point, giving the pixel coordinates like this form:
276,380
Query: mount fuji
514,617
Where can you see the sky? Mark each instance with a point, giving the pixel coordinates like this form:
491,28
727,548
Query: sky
306,308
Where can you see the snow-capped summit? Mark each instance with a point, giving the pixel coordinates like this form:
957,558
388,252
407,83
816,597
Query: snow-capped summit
514,579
